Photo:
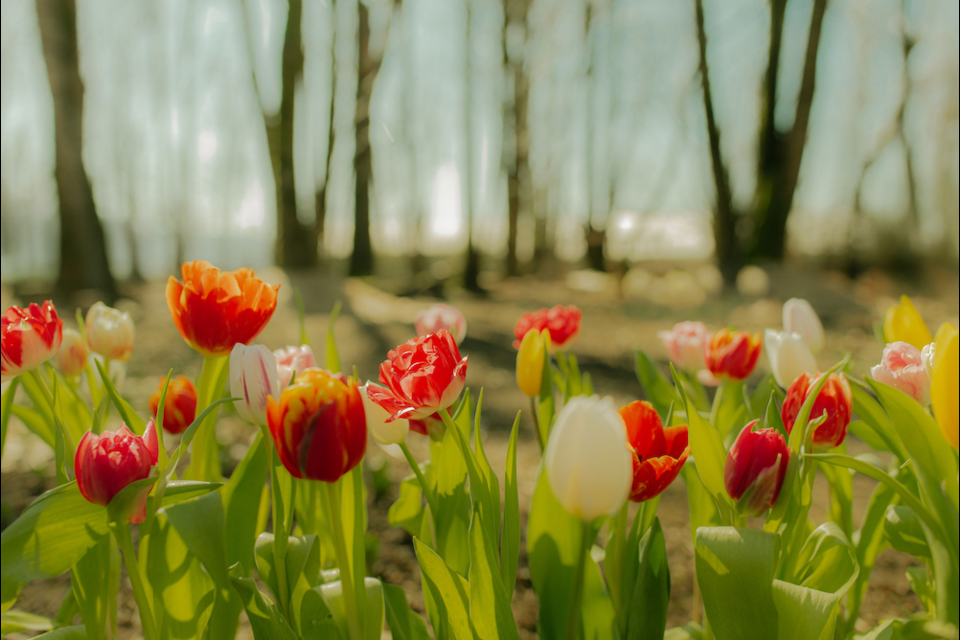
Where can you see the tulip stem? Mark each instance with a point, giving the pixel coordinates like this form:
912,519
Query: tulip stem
205,459
121,531
335,516
279,534
573,615
426,488
534,411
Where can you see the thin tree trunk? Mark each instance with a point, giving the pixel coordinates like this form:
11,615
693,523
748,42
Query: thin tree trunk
321,194
517,169
361,261
471,274
83,253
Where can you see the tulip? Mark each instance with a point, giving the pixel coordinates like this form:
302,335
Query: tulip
384,432
28,338
431,426
732,354
71,357
179,407
903,367
292,361
563,323
755,468
442,316
253,377
533,349
319,425
943,387
110,332
421,376
903,323
658,453
106,463
587,460
834,399
789,356
214,310
685,344
799,317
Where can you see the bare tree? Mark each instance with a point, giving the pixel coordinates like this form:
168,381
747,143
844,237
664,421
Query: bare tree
518,172
83,252
321,193
361,260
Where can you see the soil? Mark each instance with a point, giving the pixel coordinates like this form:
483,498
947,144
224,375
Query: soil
621,314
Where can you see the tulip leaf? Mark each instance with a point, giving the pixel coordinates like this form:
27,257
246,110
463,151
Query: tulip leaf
76,416
200,523
449,593
731,411
510,538
545,404
48,538
735,571
133,421
266,621
489,604
804,614
31,382
491,485
905,532
841,494
650,598
91,581
317,620
871,541
707,448
656,386
866,407
331,354
242,497
772,418
75,632
35,422
302,560
453,516
404,623
408,509
371,590
180,490
828,561
703,507
13,621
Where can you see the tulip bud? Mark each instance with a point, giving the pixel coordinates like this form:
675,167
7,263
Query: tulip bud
945,382
179,407
292,361
110,332
384,432
755,469
71,358
318,425
903,323
732,354
28,338
106,463
587,460
685,344
658,453
834,399
789,356
442,316
563,324
530,357
799,317
253,378
902,366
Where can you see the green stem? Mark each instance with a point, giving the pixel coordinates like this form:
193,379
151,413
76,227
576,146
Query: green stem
534,411
717,401
42,384
573,614
205,459
280,534
122,533
335,516
426,488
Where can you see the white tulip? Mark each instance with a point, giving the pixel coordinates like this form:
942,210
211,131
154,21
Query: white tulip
789,356
587,461
110,332
384,432
799,317
253,377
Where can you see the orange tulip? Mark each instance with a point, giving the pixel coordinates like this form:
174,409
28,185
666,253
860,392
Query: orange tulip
214,310
179,407
732,354
658,452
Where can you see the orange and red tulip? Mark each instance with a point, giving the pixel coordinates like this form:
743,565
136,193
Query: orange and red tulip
28,338
180,405
659,454
834,399
732,354
563,323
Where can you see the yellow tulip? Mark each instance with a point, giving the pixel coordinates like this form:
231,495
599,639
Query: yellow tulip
903,323
945,381
530,357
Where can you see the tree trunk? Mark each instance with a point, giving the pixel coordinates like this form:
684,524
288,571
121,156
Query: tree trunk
83,253
517,170
361,261
471,272
321,194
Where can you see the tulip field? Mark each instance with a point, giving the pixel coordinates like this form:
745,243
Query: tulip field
293,491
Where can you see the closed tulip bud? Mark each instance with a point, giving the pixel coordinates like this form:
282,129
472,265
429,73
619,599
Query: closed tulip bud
685,344
442,316
292,361
587,459
789,356
28,338
658,453
530,358
732,355
943,388
71,358
834,400
384,432
253,378
902,366
799,317
563,324
755,469
106,463
319,425
179,407
903,323
110,332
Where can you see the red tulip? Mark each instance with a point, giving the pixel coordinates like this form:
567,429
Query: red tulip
28,338
658,453
834,399
105,464
732,354
422,376
214,310
318,425
180,405
755,468
563,323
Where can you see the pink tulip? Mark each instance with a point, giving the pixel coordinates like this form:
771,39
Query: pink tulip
902,367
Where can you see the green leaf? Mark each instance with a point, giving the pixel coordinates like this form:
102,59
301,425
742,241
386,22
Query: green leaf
90,578
872,414
869,435
13,621
510,538
735,571
805,614
731,414
317,620
408,509
200,523
266,621
871,541
489,604
372,591
181,490
49,537
650,599
707,448
5,410
772,418
65,633
35,422
491,485
133,421
449,593
703,507
545,404
656,387
905,532
453,516
129,499
828,561
403,622
331,355
841,494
